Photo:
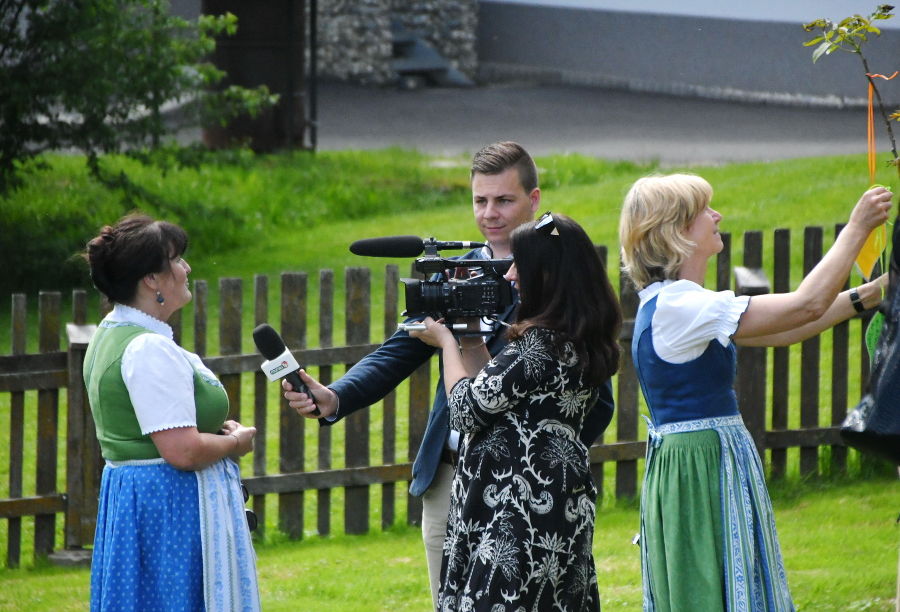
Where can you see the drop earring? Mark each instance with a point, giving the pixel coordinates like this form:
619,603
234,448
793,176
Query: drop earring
159,298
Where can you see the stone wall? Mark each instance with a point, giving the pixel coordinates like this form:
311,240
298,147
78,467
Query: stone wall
354,36
354,40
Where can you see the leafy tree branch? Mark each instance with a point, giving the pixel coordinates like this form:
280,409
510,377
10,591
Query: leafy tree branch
850,35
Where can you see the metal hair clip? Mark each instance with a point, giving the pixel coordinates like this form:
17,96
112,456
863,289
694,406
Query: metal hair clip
547,225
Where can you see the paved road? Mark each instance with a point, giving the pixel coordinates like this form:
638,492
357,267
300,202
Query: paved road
559,118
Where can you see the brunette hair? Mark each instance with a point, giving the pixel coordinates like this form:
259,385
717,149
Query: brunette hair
563,287
655,215
122,254
500,157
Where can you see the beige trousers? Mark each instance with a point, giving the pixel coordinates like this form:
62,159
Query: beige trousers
435,508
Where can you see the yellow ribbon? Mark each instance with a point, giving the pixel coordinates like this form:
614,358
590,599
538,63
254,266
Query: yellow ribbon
877,240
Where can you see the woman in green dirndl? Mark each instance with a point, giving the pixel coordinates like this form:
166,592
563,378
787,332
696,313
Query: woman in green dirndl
708,539
172,533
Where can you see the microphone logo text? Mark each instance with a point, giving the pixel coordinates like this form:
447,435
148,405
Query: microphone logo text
282,366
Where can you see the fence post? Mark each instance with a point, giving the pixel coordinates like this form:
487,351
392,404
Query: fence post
750,279
230,307
866,460
356,442
723,264
93,471
291,438
597,468
809,361
627,404
201,316
260,403
48,424
19,317
418,410
80,456
840,345
781,371
389,404
326,340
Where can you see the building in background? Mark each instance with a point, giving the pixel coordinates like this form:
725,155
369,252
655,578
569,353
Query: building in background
746,51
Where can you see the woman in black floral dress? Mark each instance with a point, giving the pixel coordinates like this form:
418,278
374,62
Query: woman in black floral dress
523,502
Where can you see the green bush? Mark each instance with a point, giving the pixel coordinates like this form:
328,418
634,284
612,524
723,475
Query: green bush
227,200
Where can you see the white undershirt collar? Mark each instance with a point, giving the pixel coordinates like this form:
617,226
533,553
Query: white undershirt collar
127,314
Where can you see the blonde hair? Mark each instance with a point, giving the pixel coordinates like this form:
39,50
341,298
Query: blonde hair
656,212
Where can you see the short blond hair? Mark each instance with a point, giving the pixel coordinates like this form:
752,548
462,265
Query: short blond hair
655,215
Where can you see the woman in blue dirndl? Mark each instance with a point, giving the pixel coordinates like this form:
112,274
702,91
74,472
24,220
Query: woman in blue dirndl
708,539
171,529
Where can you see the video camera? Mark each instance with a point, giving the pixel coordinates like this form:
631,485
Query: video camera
476,288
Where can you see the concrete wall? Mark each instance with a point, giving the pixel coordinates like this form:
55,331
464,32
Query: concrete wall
718,57
795,11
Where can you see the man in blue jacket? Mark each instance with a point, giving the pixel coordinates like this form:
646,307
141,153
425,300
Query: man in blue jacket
505,194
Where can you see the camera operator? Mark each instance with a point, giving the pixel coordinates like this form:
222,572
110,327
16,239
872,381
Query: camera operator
505,194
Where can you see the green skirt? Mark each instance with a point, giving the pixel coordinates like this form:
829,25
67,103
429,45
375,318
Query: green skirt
682,516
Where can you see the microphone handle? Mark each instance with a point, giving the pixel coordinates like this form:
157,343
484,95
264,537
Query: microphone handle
300,386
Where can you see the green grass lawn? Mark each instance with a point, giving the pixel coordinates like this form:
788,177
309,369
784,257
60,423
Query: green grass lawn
839,539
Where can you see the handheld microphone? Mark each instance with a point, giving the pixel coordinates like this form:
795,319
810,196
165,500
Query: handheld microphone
405,246
280,363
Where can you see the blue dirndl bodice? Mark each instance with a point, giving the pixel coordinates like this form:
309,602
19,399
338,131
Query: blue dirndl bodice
699,389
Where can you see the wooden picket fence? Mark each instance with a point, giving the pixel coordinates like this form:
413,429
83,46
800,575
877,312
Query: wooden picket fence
53,370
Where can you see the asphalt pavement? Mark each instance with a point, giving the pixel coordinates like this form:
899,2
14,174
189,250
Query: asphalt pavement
609,124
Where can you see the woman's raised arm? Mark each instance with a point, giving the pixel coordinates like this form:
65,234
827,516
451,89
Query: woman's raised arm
811,301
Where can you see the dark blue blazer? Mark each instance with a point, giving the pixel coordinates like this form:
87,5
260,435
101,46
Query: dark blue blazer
379,372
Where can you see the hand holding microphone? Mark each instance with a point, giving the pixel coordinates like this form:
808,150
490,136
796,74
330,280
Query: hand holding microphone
280,363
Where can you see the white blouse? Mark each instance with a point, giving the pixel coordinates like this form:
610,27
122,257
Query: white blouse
688,317
158,374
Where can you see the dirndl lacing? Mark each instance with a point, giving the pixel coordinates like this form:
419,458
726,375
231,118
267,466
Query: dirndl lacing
755,579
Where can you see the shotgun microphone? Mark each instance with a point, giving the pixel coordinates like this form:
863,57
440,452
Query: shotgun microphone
388,246
405,246
280,363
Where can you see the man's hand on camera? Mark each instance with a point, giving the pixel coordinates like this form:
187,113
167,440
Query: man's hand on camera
435,334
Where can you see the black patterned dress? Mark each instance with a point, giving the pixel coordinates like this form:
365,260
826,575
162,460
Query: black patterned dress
523,502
